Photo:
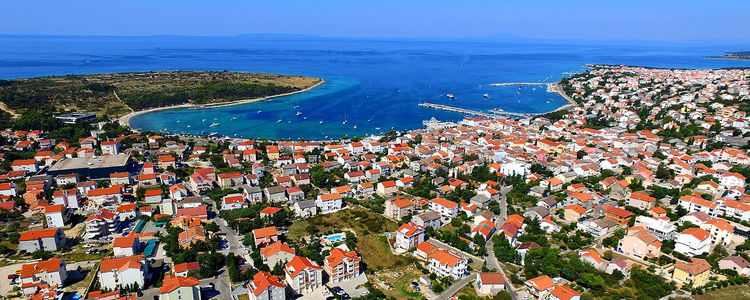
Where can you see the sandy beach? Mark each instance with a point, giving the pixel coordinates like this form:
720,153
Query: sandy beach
555,88
125,120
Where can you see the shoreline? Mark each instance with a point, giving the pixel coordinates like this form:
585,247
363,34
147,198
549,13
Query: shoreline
125,120
555,88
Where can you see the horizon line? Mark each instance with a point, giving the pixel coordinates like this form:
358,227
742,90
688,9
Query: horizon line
291,36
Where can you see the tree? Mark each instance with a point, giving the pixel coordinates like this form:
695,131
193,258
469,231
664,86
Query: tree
591,281
212,227
502,295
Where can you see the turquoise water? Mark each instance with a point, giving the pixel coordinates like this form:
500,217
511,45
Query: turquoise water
370,83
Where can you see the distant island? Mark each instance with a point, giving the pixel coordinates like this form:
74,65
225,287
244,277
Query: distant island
733,55
118,94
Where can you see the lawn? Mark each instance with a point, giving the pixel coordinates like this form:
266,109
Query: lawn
377,255
243,297
80,255
468,292
730,292
359,219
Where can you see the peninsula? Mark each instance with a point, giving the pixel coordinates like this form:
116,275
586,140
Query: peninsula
118,94
734,55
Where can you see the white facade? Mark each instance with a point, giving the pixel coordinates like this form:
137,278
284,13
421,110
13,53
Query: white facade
689,245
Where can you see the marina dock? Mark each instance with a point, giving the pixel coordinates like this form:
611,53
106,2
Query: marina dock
494,113
520,83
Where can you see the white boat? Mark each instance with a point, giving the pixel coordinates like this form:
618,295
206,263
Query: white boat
305,118
189,126
487,96
299,113
377,128
178,121
204,120
234,118
321,122
278,121
214,125
289,122
345,121
450,96
355,126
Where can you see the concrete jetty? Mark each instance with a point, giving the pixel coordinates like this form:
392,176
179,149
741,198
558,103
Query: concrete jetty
495,113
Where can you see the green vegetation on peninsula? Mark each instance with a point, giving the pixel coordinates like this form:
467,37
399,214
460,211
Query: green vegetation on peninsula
118,94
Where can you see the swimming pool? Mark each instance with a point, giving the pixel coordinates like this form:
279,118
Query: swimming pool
333,238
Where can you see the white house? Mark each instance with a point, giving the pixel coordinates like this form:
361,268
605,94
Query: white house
55,215
409,235
329,203
444,207
123,271
445,263
693,242
51,271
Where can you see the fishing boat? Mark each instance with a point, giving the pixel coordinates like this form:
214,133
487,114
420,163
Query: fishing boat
214,125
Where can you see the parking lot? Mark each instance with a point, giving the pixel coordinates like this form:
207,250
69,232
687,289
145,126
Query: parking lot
352,287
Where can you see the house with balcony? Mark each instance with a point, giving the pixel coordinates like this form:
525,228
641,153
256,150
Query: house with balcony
341,264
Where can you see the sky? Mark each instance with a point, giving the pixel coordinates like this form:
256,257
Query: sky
657,20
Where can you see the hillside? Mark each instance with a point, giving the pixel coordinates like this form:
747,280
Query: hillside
116,94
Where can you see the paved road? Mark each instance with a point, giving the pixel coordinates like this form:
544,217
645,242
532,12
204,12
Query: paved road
233,241
457,286
492,262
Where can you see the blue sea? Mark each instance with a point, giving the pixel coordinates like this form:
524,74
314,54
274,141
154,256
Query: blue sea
374,84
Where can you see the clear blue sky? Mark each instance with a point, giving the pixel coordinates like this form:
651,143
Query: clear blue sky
666,20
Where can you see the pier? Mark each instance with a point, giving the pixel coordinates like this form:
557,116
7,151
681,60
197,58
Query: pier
494,114
520,83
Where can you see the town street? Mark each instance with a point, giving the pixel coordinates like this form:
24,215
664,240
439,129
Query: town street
457,286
